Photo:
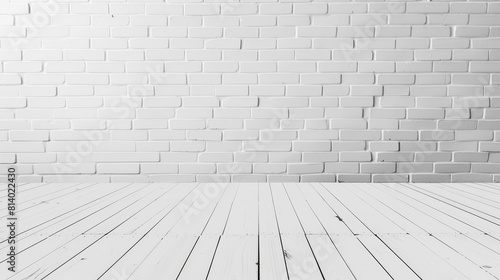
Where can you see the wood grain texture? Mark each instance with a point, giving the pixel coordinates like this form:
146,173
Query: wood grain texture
258,231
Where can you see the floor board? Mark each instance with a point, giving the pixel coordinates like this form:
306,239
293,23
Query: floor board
215,231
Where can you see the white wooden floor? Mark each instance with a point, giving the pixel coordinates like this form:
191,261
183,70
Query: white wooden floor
256,231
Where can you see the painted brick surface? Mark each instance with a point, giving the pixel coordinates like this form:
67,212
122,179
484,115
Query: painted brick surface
247,91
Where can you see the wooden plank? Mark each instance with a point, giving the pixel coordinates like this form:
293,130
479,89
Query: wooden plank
45,248
486,258
127,207
59,210
343,214
36,191
473,193
487,241
301,262
327,217
52,260
198,264
396,217
244,216
93,261
495,188
495,235
199,211
130,260
29,200
91,207
412,252
85,209
64,224
458,261
166,259
449,210
394,266
38,202
171,249
148,245
236,258
268,224
21,188
139,208
33,245
288,222
361,262
47,210
218,221
190,227
299,257
370,217
329,259
271,258
3,186
426,217
482,210
158,221
306,216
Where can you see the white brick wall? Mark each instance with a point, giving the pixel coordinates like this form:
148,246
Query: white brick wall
254,90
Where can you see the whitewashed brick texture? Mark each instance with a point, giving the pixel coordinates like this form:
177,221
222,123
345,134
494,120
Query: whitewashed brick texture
250,90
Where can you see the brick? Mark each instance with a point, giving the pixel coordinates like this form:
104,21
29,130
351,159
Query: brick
471,178
357,101
458,146
418,146
489,147
485,167
242,9
252,20
29,136
197,168
431,178
10,79
486,20
10,8
62,168
452,167
426,7
354,135
232,168
397,101
470,157
269,168
341,167
315,8
305,168
398,79
378,167
275,8
431,31
400,135
442,135
11,103
390,178
311,146
120,168
355,156
158,168
466,135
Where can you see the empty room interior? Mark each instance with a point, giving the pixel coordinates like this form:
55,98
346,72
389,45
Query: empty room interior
250,140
